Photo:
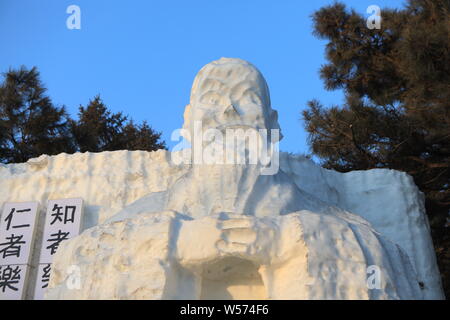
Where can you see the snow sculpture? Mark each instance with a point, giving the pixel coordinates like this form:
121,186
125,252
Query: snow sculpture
226,231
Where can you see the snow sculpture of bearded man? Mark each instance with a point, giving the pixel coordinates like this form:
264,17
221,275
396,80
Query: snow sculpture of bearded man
228,230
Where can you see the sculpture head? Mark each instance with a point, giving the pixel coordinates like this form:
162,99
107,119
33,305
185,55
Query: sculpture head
230,93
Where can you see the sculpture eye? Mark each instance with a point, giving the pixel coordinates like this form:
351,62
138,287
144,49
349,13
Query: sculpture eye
210,98
250,98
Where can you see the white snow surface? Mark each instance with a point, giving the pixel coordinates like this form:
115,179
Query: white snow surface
111,181
157,230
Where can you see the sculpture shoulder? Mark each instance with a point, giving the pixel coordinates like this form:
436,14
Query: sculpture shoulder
152,203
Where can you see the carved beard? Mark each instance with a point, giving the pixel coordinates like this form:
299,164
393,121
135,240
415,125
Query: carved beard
209,189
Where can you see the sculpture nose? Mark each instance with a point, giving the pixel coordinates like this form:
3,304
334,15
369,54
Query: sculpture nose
230,110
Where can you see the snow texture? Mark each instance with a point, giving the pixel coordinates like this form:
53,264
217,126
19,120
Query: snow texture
158,230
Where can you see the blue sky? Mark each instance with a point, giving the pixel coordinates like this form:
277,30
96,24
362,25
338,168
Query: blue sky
142,56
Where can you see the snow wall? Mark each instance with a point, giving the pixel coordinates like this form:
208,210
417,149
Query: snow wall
109,181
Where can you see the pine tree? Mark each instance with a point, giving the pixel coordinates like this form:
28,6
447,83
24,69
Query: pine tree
98,129
397,108
30,125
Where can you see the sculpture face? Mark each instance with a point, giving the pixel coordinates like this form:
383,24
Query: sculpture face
230,93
